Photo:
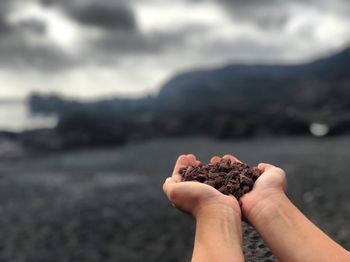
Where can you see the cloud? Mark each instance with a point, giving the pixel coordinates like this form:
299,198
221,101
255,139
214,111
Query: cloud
155,42
108,15
276,14
4,26
110,32
21,51
31,26
22,44
118,37
136,44
24,57
267,14
105,16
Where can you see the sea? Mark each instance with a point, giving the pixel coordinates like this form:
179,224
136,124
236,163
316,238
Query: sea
15,116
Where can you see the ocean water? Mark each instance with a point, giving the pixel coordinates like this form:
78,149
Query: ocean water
15,116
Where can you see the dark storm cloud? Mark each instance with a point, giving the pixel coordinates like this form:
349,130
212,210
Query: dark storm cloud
121,37
118,39
5,28
123,43
109,15
263,13
16,49
22,55
268,14
32,26
275,14
104,16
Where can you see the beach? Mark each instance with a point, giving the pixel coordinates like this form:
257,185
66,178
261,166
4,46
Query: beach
107,204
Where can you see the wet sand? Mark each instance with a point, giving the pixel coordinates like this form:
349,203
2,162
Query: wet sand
107,204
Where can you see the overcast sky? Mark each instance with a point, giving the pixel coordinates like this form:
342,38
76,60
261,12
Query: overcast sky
97,48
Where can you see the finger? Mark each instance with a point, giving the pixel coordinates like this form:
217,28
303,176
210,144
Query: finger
232,196
265,166
169,188
231,158
192,159
198,163
215,159
168,181
181,162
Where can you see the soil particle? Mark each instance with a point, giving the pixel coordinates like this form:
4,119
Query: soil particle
230,178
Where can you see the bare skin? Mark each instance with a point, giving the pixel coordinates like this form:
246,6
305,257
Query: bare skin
218,217
288,233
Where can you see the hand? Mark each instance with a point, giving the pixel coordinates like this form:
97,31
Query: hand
194,197
271,184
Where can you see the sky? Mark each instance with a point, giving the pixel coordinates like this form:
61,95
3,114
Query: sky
91,49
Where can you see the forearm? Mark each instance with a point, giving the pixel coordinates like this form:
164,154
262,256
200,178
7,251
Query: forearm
218,236
290,235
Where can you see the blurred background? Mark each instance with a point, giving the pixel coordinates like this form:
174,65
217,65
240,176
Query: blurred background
98,98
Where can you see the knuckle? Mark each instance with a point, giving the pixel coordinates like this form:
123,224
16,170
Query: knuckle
165,187
260,165
283,173
172,194
215,158
263,165
280,170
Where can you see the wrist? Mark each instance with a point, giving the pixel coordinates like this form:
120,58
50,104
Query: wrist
262,204
218,209
218,231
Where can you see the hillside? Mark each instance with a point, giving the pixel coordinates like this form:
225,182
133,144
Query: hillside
313,85
229,102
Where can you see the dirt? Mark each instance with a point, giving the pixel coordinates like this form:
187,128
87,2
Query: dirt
230,178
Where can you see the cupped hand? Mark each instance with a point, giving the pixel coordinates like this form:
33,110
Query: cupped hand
194,197
272,183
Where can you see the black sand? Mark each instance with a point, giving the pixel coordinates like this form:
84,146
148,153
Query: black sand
78,206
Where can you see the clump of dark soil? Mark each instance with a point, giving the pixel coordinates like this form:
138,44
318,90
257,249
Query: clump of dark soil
230,178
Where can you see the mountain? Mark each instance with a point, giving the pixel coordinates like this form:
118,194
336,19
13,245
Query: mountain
313,85
227,102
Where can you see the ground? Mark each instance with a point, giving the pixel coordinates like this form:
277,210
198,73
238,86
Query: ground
107,204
